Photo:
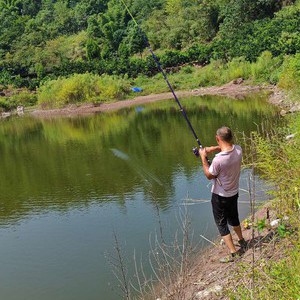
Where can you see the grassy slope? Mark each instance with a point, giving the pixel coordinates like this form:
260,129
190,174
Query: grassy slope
278,159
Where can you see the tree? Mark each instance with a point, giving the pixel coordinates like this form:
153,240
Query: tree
11,5
86,8
31,7
92,49
133,42
11,27
110,27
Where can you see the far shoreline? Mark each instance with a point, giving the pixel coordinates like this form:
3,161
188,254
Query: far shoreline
233,89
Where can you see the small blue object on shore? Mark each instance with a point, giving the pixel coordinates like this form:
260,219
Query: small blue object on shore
139,109
137,89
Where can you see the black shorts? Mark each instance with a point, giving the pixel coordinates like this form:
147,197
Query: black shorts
225,210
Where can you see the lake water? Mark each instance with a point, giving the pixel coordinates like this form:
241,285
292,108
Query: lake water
68,183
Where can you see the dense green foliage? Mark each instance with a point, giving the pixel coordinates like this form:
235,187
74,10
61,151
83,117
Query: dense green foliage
22,97
46,38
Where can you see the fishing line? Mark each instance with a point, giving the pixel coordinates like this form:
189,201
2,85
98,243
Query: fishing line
142,172
195,150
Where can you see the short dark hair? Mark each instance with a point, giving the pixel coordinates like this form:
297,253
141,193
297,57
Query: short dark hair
225,134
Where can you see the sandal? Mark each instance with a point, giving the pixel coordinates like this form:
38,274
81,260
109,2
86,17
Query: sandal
227,259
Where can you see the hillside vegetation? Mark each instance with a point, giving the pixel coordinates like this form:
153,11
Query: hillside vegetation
66,50
49,38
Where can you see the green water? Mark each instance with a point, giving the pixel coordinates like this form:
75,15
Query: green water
68,183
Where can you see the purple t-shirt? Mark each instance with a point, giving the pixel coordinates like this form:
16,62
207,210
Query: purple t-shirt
226,165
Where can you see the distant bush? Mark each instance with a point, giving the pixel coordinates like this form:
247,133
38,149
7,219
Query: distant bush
173,58
5,78
218,72
278,33
24,98
200,53
80,88
288,43
237,68
5,104
289,78
187,69
210,74
266,68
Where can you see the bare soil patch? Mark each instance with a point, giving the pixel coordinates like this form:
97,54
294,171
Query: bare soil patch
209,279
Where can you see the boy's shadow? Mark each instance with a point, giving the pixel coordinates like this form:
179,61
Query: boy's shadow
261,240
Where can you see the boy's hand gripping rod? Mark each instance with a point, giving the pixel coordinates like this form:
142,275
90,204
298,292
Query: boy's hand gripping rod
195,149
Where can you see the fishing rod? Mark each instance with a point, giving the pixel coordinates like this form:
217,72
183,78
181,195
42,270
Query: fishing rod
195,149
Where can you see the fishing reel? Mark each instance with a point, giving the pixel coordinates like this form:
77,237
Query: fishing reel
196,151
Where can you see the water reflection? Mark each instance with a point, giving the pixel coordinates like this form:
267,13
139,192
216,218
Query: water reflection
66,183
62,162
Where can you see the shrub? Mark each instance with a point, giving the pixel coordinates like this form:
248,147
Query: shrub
199,53
24,98
236,68
5,78
135,66
210,74
187,69
288,43
80,88
5,104
150,66
289,78
173,58
265,68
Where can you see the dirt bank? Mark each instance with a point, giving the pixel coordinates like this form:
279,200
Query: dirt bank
281,99
209,279
233,89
